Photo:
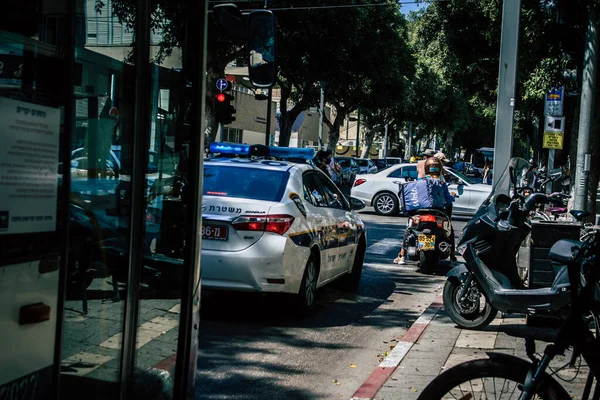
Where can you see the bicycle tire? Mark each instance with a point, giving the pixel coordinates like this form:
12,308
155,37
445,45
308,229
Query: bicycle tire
498,366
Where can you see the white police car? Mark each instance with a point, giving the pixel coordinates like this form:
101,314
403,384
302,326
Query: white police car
272,222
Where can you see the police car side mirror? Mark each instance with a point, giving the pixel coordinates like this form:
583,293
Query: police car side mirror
261,46
357,204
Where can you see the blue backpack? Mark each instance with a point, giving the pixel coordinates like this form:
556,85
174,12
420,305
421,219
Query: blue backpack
425,193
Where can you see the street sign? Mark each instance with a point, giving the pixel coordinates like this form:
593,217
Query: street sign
554,124
554,102
553,140
222,84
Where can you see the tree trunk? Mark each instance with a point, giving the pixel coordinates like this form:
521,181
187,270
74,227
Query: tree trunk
287,117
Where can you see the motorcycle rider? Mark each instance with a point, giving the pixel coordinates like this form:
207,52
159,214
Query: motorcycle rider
433,169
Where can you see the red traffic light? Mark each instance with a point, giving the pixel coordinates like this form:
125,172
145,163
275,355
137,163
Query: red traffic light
221,97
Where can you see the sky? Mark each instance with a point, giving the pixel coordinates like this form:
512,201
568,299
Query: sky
406,6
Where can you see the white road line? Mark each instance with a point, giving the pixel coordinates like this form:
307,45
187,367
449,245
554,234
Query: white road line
385,246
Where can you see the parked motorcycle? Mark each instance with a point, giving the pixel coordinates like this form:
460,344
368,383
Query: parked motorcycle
489,281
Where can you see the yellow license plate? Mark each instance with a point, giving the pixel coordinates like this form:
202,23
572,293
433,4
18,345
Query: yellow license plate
426,242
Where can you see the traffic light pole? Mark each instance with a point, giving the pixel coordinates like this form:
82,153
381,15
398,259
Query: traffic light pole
268,132
509,41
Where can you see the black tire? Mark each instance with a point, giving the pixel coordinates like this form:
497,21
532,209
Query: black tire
469,319
306,297
386,203
511,369
352,280
427,259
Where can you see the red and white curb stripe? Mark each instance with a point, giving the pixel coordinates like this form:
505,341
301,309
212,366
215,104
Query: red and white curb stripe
386,368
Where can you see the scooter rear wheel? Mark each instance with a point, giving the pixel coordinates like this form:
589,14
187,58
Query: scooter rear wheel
427,259
469,316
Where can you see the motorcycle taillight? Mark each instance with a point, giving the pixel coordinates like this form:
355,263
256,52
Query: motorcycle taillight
427,218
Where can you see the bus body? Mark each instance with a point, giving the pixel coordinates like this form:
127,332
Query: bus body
480,156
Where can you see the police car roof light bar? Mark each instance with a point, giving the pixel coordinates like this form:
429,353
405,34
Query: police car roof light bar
237,149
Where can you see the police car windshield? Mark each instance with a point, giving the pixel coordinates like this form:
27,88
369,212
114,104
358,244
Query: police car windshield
246,183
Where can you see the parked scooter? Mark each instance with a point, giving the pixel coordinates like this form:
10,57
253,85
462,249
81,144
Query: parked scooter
489,244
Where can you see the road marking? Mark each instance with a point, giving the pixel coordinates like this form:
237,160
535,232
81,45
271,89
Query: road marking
147,332
385,246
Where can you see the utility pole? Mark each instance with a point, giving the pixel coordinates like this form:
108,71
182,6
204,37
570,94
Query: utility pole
385,142
410,134
588,86
268,133
509,41
357,133
321,107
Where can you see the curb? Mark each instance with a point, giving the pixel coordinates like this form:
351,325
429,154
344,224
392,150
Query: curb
386,368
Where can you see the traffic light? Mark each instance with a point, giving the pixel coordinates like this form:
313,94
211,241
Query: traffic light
224,110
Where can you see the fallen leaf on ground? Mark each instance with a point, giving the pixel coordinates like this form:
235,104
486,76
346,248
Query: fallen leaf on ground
413,389
352,365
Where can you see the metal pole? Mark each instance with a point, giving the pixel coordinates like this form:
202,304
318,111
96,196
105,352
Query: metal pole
550,168
385,142
221,132
143,86
268,133
410,133
509,41
347,126
321,107
588,85
357,133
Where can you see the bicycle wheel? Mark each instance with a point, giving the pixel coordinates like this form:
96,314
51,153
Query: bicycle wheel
498,378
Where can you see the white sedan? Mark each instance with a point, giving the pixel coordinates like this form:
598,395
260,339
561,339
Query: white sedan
380,190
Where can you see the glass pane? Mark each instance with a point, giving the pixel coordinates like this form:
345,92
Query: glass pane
99,210
165,227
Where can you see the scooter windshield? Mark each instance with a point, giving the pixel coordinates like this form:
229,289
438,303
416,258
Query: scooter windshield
508,181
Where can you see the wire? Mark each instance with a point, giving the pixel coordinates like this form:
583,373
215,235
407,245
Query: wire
331,7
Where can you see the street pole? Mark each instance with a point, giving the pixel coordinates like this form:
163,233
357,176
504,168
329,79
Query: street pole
588,86
385,142
410,133
509,41
321,107
268,133
357,133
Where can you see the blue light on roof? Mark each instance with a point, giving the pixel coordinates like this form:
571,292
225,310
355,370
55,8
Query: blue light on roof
230,148
274,151
292,152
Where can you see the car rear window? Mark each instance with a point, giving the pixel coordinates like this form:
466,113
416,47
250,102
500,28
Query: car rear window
246,183
362,163
344,162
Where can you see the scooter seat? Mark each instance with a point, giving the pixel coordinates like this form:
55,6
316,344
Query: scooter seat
563,251
579,214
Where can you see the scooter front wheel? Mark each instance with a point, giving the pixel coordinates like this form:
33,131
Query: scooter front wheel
467,312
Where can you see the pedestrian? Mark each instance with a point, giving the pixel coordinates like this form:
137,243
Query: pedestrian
486,169
421,164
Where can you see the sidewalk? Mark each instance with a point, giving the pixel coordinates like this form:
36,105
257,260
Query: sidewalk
441,345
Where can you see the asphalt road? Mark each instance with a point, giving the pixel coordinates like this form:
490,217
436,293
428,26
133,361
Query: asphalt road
253,347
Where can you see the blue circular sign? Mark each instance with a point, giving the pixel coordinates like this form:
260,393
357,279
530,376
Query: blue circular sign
222,84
